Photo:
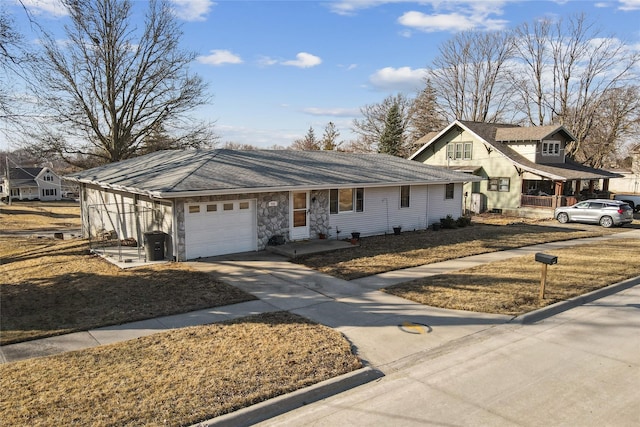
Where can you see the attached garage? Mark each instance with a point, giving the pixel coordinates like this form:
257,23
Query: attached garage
218,228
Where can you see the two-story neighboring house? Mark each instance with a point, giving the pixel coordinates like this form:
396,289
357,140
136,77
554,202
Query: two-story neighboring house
523,167
31,183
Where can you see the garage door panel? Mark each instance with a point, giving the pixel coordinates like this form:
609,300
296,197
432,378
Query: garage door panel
211,230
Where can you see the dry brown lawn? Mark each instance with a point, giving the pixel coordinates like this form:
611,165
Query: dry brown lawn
379,254
174,378
50,287
39,216
512,287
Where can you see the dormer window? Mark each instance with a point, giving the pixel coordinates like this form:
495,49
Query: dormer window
551,148
459,150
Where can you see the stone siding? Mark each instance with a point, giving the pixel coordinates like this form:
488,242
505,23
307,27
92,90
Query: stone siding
319,213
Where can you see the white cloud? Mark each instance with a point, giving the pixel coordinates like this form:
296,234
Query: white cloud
629,4
348,67
192,10
266,61
220,57
349,7
53,7
303,60
398,79
335,112
438,22
439,15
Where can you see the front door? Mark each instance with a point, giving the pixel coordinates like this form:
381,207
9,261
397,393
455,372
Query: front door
299,215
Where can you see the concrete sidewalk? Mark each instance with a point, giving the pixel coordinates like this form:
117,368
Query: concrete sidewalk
384,329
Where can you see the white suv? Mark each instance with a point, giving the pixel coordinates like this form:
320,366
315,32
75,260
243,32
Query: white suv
605,212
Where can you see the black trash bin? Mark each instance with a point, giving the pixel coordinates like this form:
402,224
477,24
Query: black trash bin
154,245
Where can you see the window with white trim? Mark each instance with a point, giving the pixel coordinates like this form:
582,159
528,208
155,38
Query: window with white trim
449,191
459,150
551,148
346,200
499,184
405,196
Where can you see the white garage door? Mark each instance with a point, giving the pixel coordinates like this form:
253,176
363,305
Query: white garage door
218,228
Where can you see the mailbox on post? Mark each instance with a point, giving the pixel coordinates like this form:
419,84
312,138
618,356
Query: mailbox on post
546,260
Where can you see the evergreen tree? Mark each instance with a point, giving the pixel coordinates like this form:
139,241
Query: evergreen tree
392,141
329,140
308,143
425,115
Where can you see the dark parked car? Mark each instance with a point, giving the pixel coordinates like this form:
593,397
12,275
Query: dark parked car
605,212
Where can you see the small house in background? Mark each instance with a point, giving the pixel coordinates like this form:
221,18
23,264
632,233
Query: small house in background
525,168
216,202
629,182
31,183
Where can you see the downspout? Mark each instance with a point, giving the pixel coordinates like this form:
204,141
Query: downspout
174,230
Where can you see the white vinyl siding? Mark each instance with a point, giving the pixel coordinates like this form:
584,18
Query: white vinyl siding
383,203
439,207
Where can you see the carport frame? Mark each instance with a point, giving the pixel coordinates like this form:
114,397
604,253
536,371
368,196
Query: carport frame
122,212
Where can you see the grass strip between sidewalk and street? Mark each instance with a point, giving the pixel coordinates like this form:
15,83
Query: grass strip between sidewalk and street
512,286
179,377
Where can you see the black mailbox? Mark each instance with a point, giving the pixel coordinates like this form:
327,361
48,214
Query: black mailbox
546,259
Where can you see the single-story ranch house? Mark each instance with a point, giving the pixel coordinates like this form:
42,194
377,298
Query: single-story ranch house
215,202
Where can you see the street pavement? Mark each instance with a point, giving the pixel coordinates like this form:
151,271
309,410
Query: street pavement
577,368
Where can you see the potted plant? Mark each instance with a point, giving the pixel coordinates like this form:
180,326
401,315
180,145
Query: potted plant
397,230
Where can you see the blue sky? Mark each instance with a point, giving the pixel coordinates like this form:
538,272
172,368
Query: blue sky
275,68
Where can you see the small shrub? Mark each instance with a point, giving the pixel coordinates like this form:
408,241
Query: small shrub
448,222
463,221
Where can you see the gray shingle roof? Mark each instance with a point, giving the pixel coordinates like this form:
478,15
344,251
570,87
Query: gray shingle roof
497,135
24,177
185,172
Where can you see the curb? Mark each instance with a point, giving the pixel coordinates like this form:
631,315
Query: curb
287,402
559,307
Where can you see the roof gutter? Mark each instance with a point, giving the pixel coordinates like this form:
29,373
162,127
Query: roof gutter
174,194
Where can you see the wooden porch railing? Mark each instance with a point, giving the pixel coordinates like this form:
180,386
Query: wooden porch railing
546,201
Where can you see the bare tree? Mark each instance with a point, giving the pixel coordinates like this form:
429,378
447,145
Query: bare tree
112,85
14,56
470,77
567,68
617,121
373,123
532,48
229,145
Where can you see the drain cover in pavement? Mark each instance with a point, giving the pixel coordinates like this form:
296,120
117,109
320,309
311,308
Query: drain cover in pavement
414,328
